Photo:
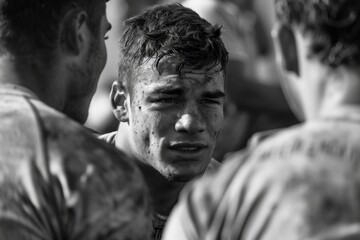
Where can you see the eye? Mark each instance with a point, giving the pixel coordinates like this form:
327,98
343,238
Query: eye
211,101
106,37
166,100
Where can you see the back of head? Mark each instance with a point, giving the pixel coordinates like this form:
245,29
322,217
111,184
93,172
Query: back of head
334,27
31,27
170,30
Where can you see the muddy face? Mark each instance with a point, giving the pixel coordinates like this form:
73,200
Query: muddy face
175,120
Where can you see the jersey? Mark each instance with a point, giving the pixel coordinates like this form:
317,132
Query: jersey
298,183
57,181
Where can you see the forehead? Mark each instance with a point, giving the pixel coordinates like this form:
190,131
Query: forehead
167,74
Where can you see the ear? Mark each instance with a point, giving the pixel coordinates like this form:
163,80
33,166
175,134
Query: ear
74,32
286,49
118,99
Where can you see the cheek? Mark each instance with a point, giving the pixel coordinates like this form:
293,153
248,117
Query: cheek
214,122
101,54
139,124
165,124
148,126
104,56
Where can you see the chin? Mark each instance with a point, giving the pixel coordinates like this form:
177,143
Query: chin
182,175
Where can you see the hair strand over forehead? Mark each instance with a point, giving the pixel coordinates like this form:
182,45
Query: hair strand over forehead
167,31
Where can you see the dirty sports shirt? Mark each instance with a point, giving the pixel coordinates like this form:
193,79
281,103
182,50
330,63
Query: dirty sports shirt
299,183
57,181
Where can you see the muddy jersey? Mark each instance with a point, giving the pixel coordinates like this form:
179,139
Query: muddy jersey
58,182
300,183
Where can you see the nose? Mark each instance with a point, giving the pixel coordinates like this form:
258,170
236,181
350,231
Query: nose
190,123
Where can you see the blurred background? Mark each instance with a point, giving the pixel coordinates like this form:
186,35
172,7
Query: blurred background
255,100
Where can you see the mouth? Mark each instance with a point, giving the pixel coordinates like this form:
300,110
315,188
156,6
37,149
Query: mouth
187,147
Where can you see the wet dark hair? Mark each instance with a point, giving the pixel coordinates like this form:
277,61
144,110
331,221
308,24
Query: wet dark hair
170,30
334,26
31,27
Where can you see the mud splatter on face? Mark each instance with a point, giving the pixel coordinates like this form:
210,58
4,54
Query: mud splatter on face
164,99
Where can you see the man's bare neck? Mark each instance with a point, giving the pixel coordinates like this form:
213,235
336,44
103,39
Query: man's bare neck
31,75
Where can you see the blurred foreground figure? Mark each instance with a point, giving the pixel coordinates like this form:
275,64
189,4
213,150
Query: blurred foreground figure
56,180
303,182
101,117
169,100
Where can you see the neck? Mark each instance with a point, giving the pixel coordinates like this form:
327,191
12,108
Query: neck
36,77
342,89
163,192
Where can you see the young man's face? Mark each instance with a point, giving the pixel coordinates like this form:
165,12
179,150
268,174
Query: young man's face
174,121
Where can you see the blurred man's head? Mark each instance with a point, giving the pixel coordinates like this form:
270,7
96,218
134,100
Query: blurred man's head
53,32
170,89
332,25
316,39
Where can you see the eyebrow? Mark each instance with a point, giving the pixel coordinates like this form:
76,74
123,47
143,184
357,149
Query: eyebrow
169,90
216,94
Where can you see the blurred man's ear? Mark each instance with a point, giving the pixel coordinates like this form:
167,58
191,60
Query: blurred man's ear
285,46
74,32
118,99
288,63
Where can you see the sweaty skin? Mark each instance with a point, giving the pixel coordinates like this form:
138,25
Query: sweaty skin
175,119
